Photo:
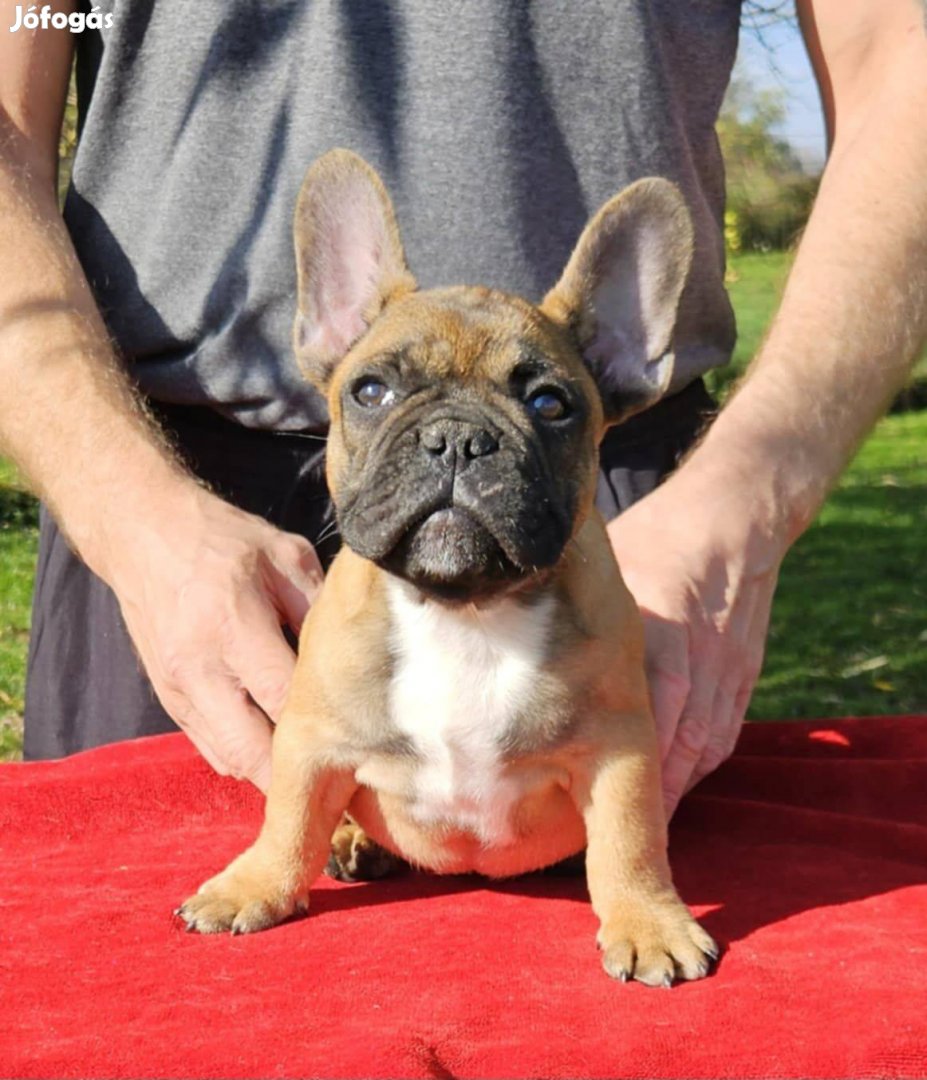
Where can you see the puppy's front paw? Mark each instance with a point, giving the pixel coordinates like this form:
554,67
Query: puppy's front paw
656,944
241,900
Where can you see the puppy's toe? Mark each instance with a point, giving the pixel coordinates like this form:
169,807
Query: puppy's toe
355,857
618,959
693,950
650,966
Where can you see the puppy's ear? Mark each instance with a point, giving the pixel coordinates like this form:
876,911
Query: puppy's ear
620,292
349,260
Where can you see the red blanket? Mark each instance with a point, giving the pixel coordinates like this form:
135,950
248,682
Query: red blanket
806,856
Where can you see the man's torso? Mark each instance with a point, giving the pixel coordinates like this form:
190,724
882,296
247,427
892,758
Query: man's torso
498,125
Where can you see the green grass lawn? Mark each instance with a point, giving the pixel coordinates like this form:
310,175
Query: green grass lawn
849,625
754,283
18,541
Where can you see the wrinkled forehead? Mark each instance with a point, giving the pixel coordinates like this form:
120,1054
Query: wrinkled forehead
463,331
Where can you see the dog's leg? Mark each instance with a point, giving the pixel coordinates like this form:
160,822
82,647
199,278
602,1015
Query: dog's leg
271,880
646,931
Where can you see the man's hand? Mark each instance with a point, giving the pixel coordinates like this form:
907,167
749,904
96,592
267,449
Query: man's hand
204,599
704,585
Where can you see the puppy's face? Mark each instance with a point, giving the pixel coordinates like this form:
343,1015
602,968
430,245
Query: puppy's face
465,422
462,444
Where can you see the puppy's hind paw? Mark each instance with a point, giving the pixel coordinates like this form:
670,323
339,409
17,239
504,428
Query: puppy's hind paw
355,857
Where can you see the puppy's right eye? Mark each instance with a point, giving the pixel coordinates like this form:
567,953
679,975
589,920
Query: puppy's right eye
548,405
371,393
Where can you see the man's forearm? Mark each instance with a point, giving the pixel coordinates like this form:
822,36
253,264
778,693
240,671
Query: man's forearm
852,319
68,414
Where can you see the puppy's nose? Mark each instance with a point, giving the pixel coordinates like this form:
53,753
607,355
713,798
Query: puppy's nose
453,439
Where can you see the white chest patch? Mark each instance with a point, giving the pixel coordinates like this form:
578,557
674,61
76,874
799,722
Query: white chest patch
462,676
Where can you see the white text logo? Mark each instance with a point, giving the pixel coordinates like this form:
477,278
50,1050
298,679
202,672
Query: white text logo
76,21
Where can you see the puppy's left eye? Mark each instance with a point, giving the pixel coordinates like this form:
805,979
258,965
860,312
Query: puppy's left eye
548,405
372,393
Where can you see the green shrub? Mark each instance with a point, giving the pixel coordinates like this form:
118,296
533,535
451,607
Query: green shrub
767,212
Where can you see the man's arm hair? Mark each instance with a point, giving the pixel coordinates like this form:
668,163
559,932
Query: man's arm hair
68,415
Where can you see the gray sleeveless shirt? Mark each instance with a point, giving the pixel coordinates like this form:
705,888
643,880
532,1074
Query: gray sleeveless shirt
499,127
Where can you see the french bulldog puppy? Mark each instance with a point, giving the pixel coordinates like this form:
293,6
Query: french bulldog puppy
470,685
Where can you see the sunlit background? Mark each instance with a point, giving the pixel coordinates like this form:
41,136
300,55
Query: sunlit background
772,57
